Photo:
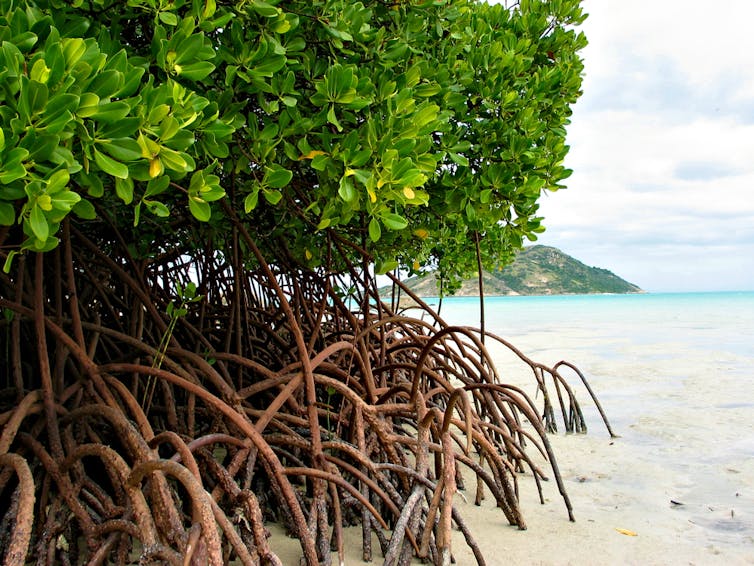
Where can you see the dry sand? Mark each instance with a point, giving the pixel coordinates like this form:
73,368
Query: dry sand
686,427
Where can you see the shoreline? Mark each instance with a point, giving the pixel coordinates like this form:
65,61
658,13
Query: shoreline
675,385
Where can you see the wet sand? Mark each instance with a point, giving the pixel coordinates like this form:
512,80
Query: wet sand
676,488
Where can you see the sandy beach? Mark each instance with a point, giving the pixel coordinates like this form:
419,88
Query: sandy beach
677,486
680,477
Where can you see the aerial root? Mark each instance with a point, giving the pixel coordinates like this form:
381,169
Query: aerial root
316,409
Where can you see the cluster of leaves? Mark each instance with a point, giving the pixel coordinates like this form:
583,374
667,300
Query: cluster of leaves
413,128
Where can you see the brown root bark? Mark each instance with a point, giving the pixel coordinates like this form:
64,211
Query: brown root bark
285,395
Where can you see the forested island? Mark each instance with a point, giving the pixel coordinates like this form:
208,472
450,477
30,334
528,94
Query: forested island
537,270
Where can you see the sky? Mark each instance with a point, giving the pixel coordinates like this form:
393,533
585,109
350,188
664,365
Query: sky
662,147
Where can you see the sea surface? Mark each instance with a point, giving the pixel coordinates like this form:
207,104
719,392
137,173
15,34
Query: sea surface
675,374
715,319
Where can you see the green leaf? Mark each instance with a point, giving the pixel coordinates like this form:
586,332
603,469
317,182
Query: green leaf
273,197
200,209
458,159
9,260
38,224
85,209
40,72
25,40
360,158
251,200
92,183
272,64
124,128
55,61
11,172
383,267
158,113
57,181
264,9
209,9
12,192
173,160
333,119
157,186
111,112
425,115
190,292
374,230
426,90
195,71
88,105
107,83
211,190
270,131
59,105
168,128
44,202
277,177
35,97
157,208
320,162
65,201
124,188
394,221
122,149
73,49
168,18
110,166
346,190
44,147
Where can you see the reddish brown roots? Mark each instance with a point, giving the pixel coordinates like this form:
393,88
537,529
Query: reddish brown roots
278,397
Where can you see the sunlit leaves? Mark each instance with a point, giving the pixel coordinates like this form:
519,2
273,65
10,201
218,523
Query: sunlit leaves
38,223
277,177
375,232
409,127
110,166
203,189
186,53
338,86
124,188
394,221
74,112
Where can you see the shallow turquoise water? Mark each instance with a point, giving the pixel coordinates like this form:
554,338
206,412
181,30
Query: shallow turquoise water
715,320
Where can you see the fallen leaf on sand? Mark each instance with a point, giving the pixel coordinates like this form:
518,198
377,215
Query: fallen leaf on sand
627,532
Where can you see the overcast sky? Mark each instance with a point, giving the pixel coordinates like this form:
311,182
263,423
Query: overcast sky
662,146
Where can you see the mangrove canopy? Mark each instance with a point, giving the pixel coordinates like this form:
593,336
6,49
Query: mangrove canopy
196,197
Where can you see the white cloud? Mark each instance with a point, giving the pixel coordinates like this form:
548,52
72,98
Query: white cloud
662,146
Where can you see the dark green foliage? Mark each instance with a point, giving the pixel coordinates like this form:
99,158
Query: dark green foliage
410,128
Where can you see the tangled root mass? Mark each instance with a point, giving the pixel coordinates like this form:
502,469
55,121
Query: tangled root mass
147,424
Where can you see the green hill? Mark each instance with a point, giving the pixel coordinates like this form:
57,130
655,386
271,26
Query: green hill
537,270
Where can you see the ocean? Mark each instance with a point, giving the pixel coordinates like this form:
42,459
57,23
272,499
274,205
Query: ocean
675,375
727,318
